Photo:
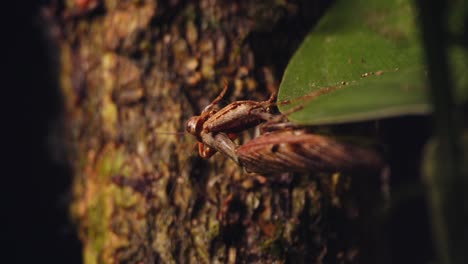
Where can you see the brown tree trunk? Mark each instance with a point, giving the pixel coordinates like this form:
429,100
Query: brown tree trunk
132,73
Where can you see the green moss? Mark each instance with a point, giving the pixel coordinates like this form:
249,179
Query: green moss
97,230
111,162
124,197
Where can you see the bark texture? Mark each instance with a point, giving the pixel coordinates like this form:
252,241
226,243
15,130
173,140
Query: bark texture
135,71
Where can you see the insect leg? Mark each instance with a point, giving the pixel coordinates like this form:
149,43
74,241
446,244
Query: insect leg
274,125
280,122
205,151
218,98
222,143
272,98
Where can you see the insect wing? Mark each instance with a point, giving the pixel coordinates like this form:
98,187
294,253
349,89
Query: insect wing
295,151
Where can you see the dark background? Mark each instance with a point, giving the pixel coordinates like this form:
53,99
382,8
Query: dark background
35,184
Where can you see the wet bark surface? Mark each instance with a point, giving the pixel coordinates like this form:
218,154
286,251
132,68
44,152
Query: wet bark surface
132,73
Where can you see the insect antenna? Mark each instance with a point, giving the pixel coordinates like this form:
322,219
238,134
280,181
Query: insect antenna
170,133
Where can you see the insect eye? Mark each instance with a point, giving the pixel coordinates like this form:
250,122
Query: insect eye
192,125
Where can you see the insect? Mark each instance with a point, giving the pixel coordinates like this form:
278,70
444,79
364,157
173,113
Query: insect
216,128
298,151
281,147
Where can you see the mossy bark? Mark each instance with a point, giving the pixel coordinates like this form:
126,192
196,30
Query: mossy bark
135,71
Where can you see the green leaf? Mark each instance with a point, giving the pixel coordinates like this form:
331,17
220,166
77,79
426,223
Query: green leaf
362,61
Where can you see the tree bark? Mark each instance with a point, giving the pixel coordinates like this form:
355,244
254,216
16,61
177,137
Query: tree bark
132,73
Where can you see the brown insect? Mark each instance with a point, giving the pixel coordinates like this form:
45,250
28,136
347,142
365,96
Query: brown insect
216,128
286,149
298,151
